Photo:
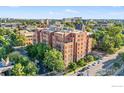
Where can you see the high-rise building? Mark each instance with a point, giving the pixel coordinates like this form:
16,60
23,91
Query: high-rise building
73,44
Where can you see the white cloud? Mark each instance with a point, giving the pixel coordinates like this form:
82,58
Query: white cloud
71,11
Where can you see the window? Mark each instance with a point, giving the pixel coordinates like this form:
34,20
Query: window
66,47
70,46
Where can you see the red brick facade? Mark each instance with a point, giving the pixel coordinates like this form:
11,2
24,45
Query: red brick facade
74,45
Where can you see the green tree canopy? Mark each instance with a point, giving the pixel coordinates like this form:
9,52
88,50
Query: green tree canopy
37,51
72,66
18,70
81,63
23,66
53,60
108,39
89,58
17,40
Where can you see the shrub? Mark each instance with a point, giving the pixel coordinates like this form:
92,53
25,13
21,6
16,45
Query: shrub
89,58
72,66
81,63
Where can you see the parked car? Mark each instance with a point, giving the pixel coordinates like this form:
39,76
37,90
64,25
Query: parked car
93,64
98,62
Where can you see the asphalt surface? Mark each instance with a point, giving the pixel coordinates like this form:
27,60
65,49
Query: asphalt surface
105,63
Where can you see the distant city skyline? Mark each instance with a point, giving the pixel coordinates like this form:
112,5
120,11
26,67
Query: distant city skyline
59,12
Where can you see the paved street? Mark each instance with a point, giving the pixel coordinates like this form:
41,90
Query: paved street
121,73
20,50
105,63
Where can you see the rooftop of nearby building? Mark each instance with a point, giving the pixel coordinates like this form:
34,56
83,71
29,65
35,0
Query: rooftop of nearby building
59,28
26,33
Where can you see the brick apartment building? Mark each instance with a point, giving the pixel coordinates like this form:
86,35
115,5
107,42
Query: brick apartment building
74,45
29,36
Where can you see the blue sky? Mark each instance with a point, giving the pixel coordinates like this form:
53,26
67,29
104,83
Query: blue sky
56,12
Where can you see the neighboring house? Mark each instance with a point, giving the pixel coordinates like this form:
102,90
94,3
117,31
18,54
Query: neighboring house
29,36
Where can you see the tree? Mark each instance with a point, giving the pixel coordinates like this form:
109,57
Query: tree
17,40
18,70
42,48
2,52
32,51
72,66
94,43
70,25
89,58
4,41
118,39
53,60
24,24
14,57
22,65
88,29
111,50
20,40
81,63
89,26
4,31
37,51
108,43
116,33
31,69
78,21
5,47
11,36
108,39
